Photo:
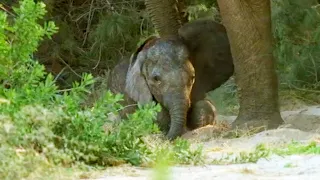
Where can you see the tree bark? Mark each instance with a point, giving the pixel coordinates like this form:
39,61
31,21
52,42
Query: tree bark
248,24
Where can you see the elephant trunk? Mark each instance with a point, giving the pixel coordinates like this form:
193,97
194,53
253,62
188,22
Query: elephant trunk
178,109
165,16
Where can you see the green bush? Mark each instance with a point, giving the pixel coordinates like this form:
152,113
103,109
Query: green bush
42,126
296,30
42,117
93,36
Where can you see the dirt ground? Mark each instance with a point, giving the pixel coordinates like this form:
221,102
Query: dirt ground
301,125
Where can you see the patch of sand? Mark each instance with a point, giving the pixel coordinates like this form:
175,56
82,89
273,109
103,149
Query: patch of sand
302,125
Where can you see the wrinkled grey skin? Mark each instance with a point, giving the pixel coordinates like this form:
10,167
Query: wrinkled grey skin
177,72
163,73
210,52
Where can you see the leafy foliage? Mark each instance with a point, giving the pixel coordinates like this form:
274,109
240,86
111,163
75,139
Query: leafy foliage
93,36
42,126
296,30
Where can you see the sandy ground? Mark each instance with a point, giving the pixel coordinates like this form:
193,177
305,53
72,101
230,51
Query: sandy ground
302,125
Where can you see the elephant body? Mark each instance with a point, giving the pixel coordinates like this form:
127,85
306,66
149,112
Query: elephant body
177,72
248,25
117,82
210,52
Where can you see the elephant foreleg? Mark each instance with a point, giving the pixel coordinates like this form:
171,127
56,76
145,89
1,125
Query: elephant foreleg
202,113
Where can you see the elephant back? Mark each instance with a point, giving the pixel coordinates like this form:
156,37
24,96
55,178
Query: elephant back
116,84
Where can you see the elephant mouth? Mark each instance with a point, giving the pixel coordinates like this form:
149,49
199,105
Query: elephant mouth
155,100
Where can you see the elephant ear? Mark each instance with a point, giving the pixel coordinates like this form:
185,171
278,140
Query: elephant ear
136,85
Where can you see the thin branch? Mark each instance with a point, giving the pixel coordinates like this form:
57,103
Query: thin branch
62,70
99,58
89,23
69,66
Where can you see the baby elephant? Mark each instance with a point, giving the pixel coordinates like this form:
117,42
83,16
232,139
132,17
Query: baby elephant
166,70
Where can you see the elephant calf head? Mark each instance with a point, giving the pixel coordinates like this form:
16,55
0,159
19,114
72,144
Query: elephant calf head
161,71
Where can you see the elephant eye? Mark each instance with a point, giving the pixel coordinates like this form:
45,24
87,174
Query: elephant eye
156,78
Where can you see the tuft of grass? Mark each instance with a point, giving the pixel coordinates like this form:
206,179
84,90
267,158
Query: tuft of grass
242,132
290,165
244,157
161,169
247,171
177,153
262,151
298,148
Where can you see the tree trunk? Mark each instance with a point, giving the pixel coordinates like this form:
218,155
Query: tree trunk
248,24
